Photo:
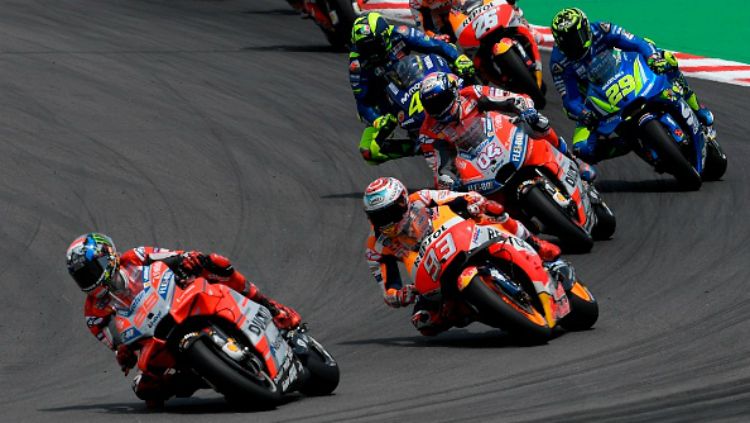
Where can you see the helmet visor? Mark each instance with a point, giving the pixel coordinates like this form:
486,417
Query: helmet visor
388,216
88,274
440,105
575,43
373,49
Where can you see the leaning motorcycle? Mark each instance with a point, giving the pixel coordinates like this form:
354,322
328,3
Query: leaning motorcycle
500,40
649,112
226,340
334,17
498,278
539,184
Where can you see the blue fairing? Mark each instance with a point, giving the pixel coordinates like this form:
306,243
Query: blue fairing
403,87
618,80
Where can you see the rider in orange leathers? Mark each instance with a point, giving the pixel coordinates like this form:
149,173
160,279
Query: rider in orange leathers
102,274
399,221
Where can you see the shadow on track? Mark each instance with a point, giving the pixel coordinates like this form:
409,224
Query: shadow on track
174,406
648,185
295,49
283,12
493,338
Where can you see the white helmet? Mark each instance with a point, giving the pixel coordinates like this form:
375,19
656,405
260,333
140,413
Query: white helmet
387,205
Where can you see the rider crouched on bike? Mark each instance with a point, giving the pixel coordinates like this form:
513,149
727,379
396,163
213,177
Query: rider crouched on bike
577,43
376,48
399,221
99,270
432,16
455,118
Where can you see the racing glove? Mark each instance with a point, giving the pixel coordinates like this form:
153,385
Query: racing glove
588,118
283,316
385,125
464,66
190,264
530,116
662,61
476,203
126,358
400,297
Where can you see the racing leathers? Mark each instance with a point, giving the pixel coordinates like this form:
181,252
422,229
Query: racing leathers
383,253
368,82
571,81
155,385
439,141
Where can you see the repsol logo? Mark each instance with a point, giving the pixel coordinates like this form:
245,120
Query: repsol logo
260,321
426,243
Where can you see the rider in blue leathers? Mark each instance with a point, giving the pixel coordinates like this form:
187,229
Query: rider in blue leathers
376,48
577,41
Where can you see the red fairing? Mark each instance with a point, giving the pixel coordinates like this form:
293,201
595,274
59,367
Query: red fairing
441,253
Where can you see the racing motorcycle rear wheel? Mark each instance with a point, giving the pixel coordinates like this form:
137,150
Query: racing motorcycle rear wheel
238,384
655,136
341,34
521,79
556,222
498,308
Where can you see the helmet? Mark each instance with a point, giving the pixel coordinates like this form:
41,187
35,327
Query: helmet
572,32
439,96
371,36
387,205
92,260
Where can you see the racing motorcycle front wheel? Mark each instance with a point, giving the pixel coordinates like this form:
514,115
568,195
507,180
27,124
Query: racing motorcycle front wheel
656,136
512,312
521,79
584,310
240,384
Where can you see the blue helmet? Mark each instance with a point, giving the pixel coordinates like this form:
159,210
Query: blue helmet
439,96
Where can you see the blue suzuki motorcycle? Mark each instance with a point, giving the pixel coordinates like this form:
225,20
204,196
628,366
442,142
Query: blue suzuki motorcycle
649,113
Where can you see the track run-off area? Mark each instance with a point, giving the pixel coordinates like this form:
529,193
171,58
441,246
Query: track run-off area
229,126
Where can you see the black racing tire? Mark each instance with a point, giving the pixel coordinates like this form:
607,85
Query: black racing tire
521,79
584,312
495,311
229,378
655,135
606,223
323,375
716,162
573,238
341,35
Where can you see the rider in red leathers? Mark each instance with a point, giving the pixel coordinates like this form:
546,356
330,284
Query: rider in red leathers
399,221
455,117
99,270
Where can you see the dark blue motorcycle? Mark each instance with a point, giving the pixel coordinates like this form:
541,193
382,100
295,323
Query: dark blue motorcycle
403,83
649,113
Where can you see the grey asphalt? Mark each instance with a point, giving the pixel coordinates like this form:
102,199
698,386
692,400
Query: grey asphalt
229,126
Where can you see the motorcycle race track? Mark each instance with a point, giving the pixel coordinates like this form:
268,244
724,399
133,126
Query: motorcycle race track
229,126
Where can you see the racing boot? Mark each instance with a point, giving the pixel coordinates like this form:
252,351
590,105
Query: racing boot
704,115
546,250
587,171
428,322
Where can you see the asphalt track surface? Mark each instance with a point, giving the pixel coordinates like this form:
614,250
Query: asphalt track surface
229,126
